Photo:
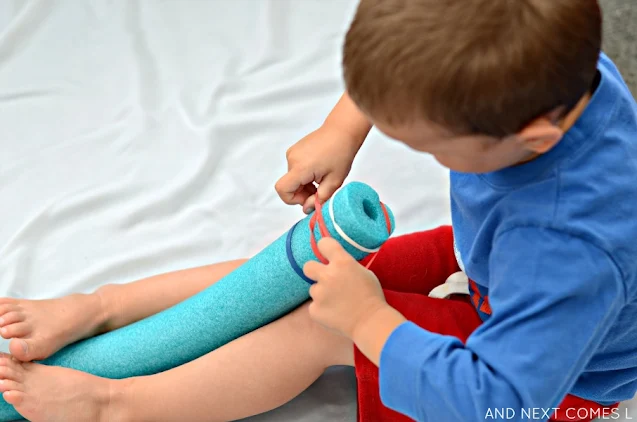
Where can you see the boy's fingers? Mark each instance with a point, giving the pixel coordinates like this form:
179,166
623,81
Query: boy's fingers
305,197
302,195
286,187
309,190
295,186
308,206
331,249
328,186
312,270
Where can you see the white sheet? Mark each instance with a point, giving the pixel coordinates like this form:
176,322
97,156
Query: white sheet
140,137
143,137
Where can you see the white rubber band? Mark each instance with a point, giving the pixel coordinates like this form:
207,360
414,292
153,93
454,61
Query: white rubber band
342,233
456,284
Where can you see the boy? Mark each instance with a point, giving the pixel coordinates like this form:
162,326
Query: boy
541,140
540,134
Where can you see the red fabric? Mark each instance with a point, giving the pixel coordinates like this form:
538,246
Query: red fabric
576,409
409,267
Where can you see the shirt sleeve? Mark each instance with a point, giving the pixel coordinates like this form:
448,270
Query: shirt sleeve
553,299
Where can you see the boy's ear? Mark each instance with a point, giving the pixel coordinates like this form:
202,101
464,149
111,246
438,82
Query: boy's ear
540,135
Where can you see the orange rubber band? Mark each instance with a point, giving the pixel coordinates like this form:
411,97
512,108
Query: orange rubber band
317,218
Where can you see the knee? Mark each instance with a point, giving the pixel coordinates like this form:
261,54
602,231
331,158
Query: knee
327,345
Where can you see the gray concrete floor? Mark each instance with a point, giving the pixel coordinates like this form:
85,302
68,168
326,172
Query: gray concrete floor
620,37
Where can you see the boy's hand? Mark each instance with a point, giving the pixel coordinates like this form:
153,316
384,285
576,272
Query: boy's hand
324,157
346,294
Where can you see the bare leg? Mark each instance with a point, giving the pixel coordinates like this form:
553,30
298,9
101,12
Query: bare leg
253,374
40,328
74,396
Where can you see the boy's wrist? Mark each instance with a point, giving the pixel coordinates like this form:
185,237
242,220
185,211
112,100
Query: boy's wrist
371,333
356,134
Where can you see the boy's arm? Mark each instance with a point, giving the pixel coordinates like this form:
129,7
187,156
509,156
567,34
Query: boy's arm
553,301
347,118
324,157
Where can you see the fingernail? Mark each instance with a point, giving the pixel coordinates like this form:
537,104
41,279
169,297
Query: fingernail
24,345
1,321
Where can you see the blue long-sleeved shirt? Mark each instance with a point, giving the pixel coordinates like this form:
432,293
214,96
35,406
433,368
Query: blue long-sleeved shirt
553,243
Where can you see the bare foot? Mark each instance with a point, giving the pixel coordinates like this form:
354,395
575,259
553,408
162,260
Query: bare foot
39,328
52,394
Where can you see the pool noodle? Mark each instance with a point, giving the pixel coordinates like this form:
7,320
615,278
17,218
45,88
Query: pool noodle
260,291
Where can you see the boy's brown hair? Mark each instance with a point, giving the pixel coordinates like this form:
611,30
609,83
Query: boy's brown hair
484,67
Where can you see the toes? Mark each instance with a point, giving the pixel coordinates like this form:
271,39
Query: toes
10,368
10,385
11,318
10,374
19,329
14,398
8,307
8,361
24,350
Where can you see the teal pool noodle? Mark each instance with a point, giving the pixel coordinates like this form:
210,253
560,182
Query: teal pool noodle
260,291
